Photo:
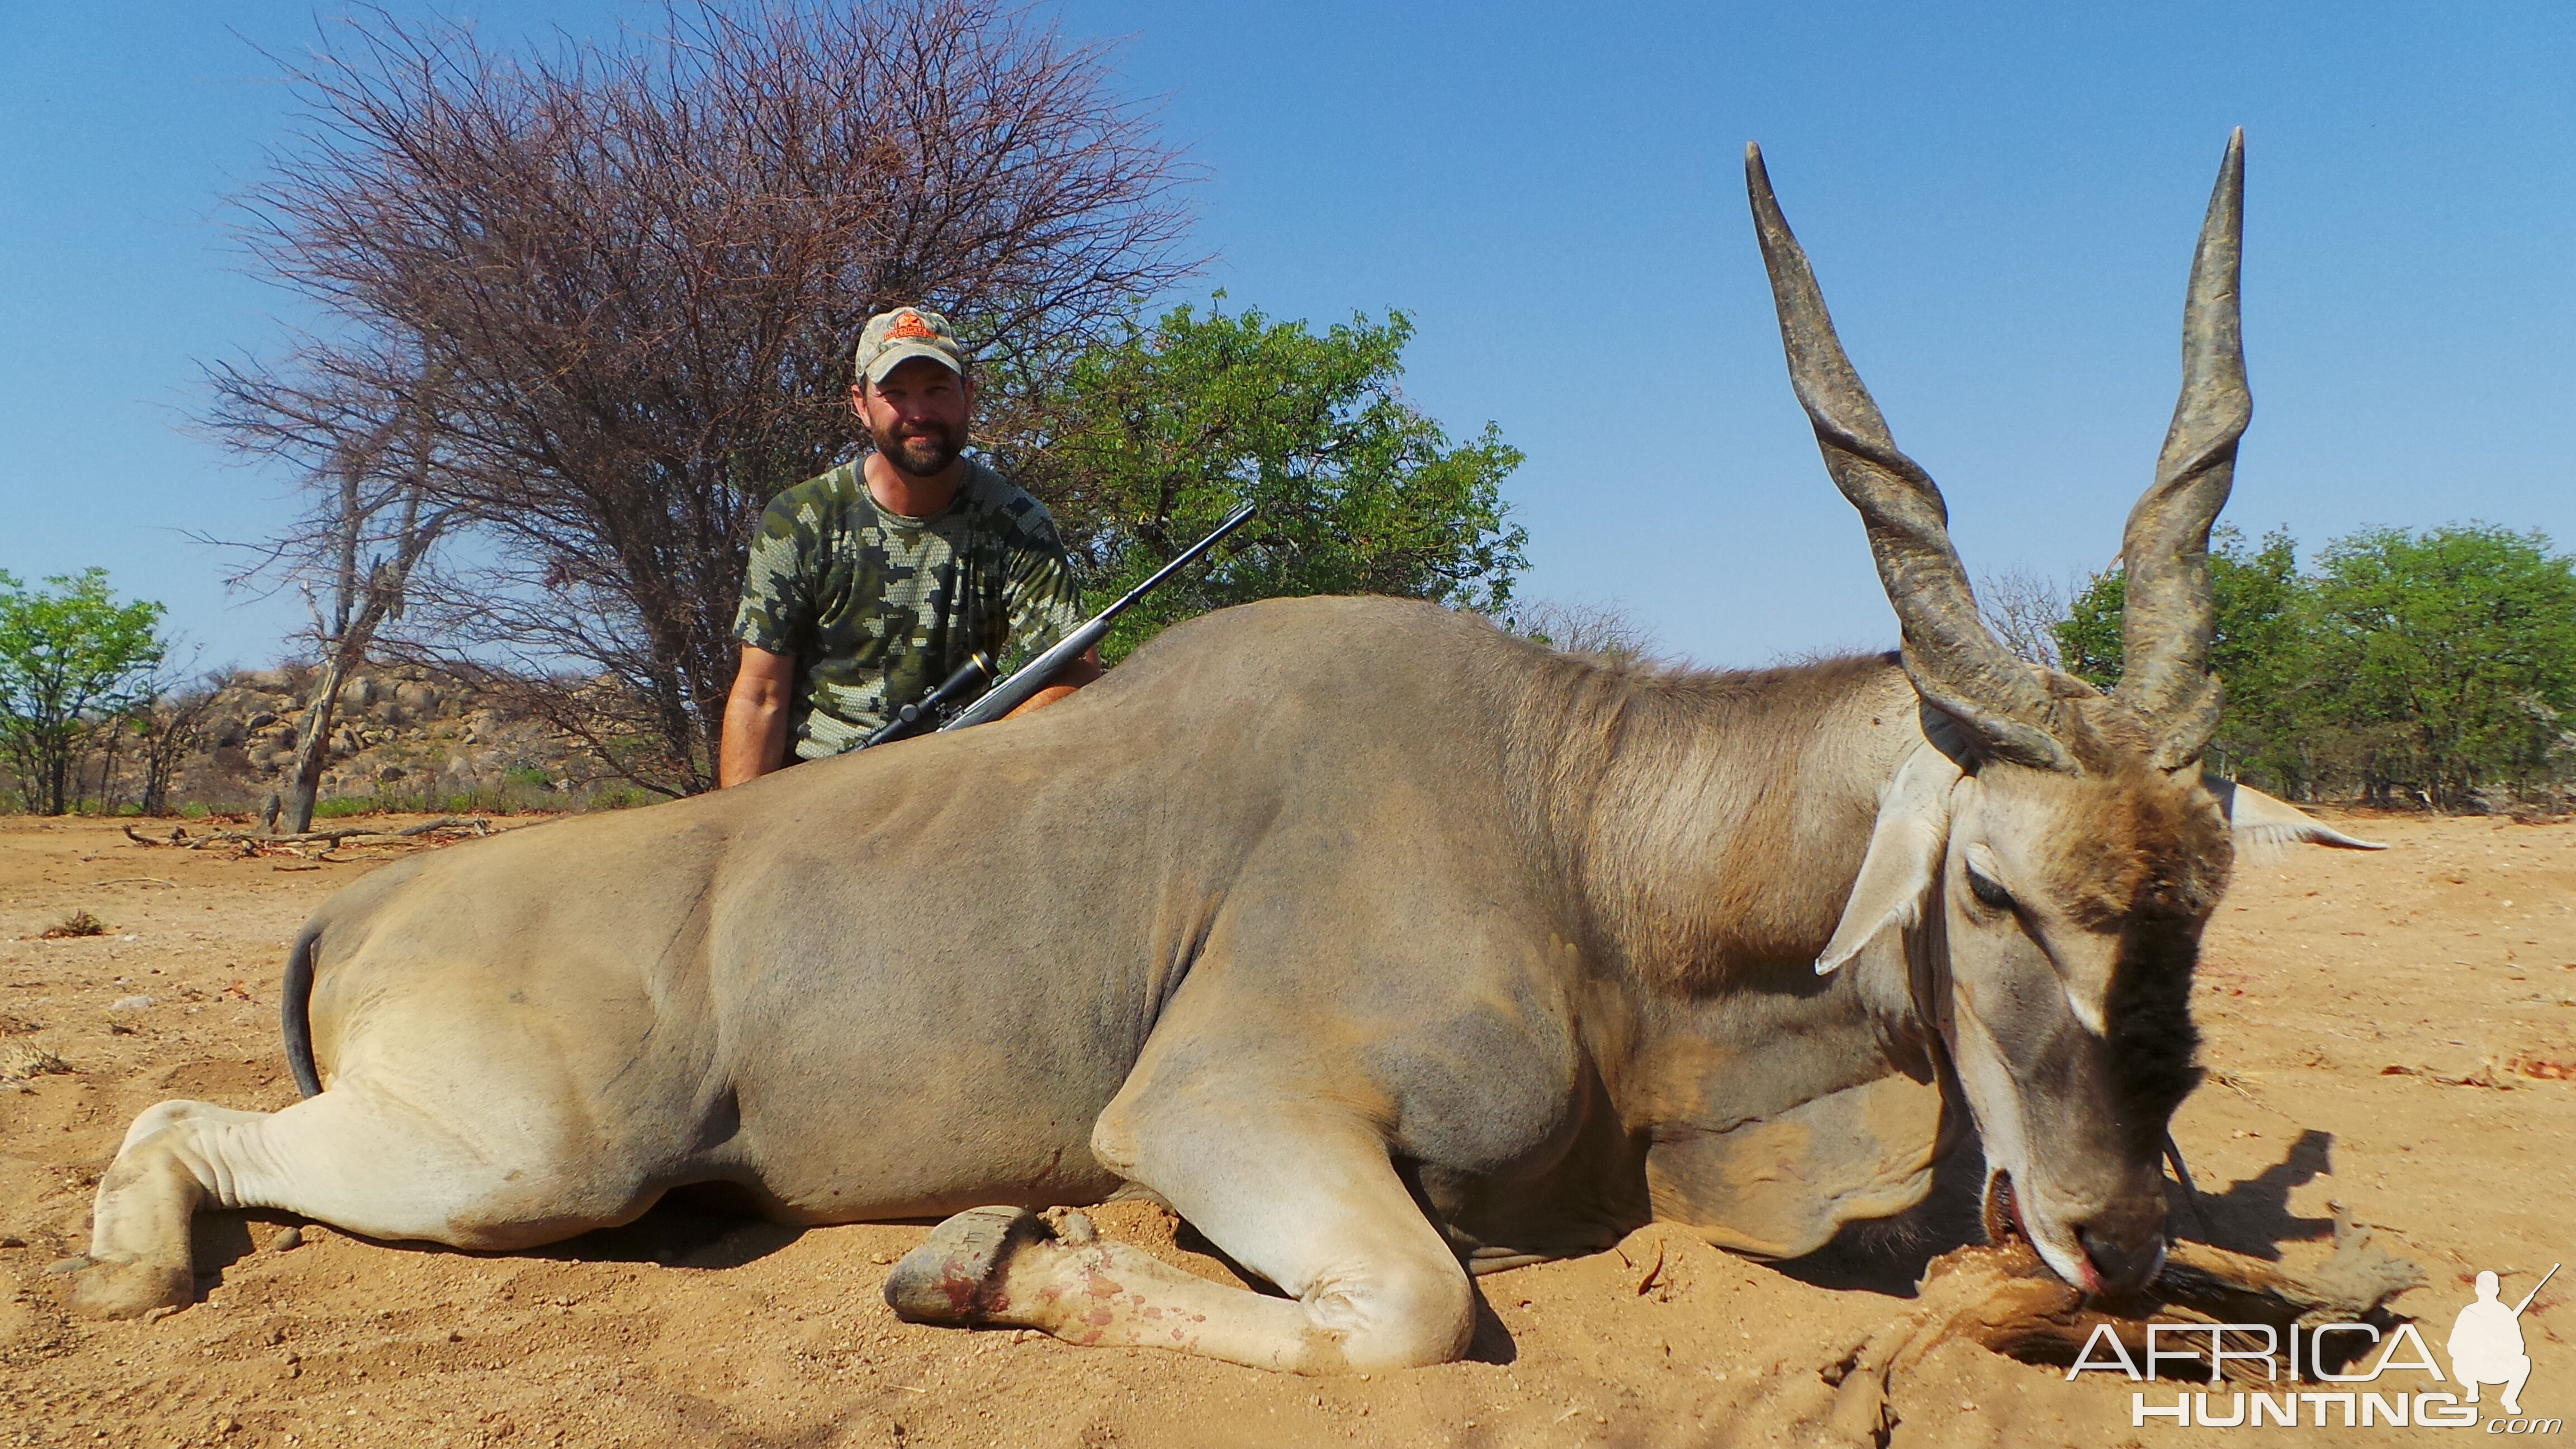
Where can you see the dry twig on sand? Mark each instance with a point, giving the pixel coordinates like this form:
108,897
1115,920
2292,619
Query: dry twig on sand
331,838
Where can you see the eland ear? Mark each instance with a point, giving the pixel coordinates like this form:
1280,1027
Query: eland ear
1905,851
2259,820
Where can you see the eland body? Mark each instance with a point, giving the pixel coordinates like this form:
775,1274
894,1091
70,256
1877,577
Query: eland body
1384,947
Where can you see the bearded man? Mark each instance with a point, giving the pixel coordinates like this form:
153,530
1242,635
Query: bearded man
872,583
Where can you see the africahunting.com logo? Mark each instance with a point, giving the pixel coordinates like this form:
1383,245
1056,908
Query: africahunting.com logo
2485,1349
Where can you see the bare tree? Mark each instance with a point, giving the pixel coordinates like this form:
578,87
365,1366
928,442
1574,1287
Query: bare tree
1583,628
379,527
2023,608
169,731
365,426
636,271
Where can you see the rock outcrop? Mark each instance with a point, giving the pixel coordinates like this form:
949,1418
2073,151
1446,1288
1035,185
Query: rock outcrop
400,731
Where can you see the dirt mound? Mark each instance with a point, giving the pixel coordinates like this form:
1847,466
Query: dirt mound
2451,959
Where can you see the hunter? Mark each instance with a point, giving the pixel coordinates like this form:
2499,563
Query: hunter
870,584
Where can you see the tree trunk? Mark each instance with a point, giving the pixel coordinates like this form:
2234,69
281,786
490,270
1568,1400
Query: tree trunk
313,747
58,764
107,765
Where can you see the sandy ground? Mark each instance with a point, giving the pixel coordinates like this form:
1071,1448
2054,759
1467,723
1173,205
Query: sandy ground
2386,1032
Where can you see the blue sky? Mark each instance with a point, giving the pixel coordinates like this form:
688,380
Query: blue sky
2000,200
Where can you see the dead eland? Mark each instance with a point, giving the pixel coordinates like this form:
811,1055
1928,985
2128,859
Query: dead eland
1384,947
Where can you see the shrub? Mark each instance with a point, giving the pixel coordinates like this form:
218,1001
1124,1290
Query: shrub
78,923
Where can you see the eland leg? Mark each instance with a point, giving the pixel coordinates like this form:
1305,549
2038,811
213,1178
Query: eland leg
357,1161
1320,1212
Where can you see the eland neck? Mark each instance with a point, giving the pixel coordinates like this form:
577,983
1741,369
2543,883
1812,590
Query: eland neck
1708,825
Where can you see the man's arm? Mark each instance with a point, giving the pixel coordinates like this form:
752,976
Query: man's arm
755,717
1068,679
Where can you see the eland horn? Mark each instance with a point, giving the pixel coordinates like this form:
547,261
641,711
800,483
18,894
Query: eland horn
1955,662
2165,626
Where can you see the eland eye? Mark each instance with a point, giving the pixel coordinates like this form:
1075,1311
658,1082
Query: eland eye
1987,891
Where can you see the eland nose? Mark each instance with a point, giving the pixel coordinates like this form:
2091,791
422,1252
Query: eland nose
2124,1267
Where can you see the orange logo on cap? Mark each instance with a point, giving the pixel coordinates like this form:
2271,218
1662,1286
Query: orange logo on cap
908,324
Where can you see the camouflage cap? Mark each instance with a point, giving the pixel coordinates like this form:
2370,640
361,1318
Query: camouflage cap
896,337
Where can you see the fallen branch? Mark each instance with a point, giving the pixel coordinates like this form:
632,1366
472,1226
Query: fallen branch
137,880
478,826
2484,1076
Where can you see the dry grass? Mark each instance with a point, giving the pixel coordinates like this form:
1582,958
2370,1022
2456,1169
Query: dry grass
78,923
20,1060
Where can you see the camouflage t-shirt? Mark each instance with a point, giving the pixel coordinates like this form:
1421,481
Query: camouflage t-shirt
878,608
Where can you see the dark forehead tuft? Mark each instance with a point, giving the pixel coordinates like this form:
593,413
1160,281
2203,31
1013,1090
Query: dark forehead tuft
2136,842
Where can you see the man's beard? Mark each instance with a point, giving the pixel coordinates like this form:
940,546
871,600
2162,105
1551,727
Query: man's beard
925,456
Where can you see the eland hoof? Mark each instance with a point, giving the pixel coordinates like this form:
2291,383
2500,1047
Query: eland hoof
130,1290
955,1277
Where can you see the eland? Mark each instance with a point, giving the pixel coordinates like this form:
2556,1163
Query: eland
1382,946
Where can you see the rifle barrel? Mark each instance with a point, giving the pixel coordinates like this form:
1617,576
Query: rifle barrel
1182,560
2535,1290
1029,678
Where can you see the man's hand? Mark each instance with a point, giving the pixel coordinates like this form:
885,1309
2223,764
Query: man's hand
755,717
1068,679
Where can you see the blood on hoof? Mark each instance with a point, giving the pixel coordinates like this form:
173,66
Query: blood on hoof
956,1277
130,1290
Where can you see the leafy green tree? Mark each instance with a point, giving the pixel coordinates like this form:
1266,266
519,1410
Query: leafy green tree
71,657
2263,649
2260,647
2414,666
2088,638
2452,656
1158,434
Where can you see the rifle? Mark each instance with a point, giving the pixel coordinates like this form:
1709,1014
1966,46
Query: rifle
908,721
2535,1290
1031,677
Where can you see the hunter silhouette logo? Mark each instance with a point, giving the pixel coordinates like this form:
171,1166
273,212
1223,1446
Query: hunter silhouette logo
2345,1360
2486,1342
907,325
